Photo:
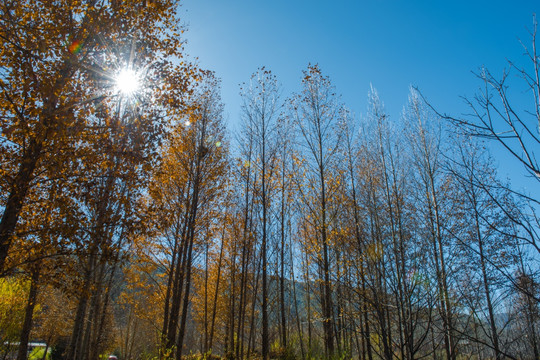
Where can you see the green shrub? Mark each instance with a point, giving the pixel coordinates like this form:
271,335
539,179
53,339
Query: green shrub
37,354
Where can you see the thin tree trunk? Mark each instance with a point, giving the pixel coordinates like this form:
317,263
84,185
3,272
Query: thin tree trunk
90,348
191,237
265,339
74,349
308,301
295,299
493,327
44,357
265,335
178,286
204,343
125,351
170,282
367,335
229,338
181,332
532,327
214,307
282,271
251,340
29,315
247,229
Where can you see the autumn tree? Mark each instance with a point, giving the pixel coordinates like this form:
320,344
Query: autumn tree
316,114
211,301
186,192
68,123
59,60
243,263
138,308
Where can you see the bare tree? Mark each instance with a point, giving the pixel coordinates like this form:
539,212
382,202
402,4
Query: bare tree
497,114
259,114
426,141
485,238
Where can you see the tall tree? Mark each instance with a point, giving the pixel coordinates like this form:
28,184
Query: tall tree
487,237
186,192
259,114
285,158
426,142
316,114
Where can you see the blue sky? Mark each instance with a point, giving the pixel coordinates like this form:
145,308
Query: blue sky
435,45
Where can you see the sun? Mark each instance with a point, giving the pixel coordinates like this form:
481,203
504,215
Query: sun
127,82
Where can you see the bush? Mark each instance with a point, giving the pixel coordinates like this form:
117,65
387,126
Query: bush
37,354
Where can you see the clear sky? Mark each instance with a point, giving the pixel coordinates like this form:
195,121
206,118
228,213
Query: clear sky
435,45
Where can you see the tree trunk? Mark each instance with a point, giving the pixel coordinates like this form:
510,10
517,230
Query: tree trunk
191,238
493,327
15,200
328,324
265,339
177,287
74,349
183,319
214,306
28,316
282,263
282,287
170,284
295,299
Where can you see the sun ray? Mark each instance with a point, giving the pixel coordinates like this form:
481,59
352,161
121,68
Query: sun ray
127,82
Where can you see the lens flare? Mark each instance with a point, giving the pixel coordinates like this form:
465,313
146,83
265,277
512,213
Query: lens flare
75,47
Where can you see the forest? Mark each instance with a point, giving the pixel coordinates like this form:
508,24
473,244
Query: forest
135,223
